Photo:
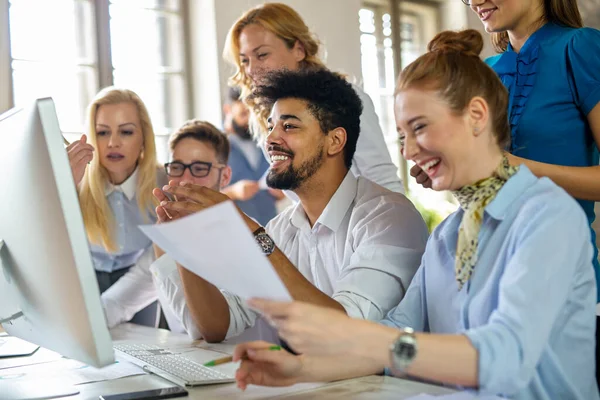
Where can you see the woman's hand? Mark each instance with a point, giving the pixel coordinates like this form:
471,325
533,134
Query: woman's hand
420,176
514,160
80,154
265,367
313,330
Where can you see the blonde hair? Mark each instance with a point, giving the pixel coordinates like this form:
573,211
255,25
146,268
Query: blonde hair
97,215
560,12
285,23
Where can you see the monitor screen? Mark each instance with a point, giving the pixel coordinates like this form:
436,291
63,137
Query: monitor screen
48,289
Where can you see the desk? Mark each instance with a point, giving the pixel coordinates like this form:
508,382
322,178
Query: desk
370,387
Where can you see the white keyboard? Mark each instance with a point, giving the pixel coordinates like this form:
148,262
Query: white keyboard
174,367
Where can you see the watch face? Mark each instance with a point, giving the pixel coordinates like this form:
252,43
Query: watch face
406,351
266,243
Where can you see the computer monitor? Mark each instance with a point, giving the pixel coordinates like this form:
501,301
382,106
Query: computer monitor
48,289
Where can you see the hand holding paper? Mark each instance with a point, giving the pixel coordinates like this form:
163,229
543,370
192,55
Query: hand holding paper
217,245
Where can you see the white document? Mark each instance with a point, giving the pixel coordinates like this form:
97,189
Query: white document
69,372
464,395
217,245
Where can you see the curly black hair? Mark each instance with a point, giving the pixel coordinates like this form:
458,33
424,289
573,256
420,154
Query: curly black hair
330,97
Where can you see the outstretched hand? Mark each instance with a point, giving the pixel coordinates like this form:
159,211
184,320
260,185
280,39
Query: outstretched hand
265,367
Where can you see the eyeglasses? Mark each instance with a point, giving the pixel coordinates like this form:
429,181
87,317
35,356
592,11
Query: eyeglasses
467,2
198,169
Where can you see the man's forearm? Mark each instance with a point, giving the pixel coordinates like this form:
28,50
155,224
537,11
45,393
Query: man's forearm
158,252
207,305
299,287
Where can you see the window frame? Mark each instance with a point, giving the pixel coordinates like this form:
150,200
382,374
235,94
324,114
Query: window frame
102,47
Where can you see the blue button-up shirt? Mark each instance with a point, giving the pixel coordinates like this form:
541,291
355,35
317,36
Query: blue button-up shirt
553,84
529,307
131,242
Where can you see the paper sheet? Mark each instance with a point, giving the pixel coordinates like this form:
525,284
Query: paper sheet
454,396
217,245
70,372
41,356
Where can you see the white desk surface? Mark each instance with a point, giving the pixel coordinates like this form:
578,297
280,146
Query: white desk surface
370,387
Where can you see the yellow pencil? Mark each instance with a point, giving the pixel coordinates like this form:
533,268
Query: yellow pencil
225,360
65,141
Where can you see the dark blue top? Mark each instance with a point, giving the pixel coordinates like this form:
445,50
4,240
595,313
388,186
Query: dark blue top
262,206
553,84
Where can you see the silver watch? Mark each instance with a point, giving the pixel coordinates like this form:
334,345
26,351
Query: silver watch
266,243
404,350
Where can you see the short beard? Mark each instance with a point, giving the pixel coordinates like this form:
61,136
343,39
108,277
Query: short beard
292,178
242,131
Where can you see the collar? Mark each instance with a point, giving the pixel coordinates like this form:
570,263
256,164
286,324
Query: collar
511,191
336,208
128,187
536,37
506,62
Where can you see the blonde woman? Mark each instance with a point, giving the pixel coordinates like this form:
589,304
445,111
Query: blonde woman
274,36
115,174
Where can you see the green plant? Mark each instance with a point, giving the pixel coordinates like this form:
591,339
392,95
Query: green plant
431,217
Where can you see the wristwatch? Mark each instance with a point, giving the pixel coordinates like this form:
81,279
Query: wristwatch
404,350
266,243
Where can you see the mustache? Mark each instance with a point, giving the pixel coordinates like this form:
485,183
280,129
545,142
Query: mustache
280,149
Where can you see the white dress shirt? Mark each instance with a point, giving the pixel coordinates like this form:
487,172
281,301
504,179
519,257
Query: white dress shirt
372,158
135,290
171,297
363,252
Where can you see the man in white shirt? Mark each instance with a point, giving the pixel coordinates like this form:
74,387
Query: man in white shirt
348,244
199,155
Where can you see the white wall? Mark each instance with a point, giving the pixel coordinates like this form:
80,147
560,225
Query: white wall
474,22
335,23
457,16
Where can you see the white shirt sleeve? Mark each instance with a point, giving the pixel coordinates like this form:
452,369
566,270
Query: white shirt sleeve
131,293
240,316
172,298
372,158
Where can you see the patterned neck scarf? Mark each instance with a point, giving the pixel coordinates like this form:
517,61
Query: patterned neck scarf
473,199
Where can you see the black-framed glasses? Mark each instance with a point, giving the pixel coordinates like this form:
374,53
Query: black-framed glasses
198,169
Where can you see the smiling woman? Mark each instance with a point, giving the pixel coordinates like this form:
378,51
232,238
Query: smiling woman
467,318
115,174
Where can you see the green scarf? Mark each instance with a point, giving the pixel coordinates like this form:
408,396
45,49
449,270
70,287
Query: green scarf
473,199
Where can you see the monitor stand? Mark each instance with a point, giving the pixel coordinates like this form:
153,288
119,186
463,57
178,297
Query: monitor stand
41,390
10,346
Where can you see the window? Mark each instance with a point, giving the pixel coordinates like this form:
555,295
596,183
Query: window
65,57
52,48
418,25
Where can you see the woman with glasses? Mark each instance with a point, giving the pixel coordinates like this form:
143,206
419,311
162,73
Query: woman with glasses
490,309
115,169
